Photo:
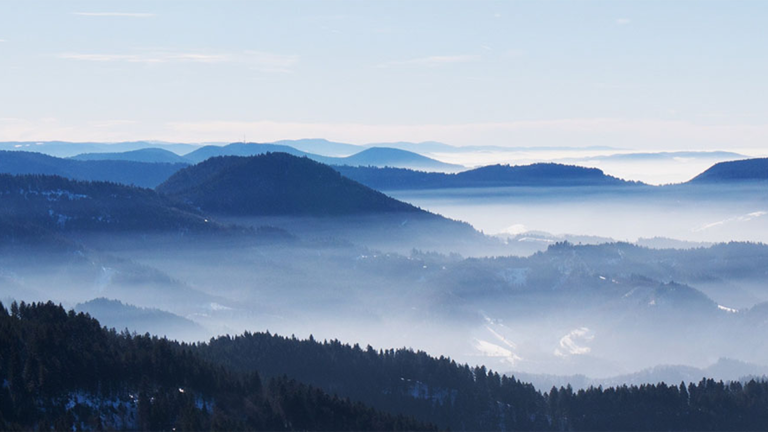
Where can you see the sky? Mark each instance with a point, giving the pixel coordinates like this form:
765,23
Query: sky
649,75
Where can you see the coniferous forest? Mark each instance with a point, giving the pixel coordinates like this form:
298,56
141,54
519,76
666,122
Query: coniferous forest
61,370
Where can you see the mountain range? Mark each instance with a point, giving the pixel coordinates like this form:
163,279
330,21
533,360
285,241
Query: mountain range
375,156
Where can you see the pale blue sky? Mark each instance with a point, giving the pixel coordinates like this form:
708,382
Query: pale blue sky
639,74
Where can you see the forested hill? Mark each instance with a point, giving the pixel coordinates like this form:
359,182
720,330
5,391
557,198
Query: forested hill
540,174
435,390
275,184
63,371
127,172
735,171
460,397
60,204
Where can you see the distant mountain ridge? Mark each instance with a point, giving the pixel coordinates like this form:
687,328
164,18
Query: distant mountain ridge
152,155
69,149
118,315
375,156
541,174
117,171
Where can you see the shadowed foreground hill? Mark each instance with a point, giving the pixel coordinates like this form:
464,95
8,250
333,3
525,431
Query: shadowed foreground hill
735,171
129,172
63,371
276,184
541,174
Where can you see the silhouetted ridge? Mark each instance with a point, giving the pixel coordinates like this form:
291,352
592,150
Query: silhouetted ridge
275,184
61,370
541,174
148,155
383,156
240,149
118,171
735,171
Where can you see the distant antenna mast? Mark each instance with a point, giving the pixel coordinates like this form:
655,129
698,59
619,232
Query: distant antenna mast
243,138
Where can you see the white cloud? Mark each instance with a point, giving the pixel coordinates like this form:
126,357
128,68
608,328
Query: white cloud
3,40
573,343
257,60
623,21
116,14
431,61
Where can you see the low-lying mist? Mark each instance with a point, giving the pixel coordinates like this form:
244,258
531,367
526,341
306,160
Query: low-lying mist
696,213
601,311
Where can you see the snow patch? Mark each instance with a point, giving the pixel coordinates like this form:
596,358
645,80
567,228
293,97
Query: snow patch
574,343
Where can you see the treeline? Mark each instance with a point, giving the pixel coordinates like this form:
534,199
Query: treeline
60,370
459,397
436,390
707,406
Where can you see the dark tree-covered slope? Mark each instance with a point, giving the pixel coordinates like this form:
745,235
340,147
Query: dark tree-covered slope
436,390
117,171
542,174
60,204
735,171
275,184
62,370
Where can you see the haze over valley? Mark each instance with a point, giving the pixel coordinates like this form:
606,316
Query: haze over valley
383,215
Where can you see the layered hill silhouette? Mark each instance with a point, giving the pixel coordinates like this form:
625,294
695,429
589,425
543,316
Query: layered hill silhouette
69,149
735,171
376,156
541,174
275,184
383,156
153,155
118,315
118,171
241,149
